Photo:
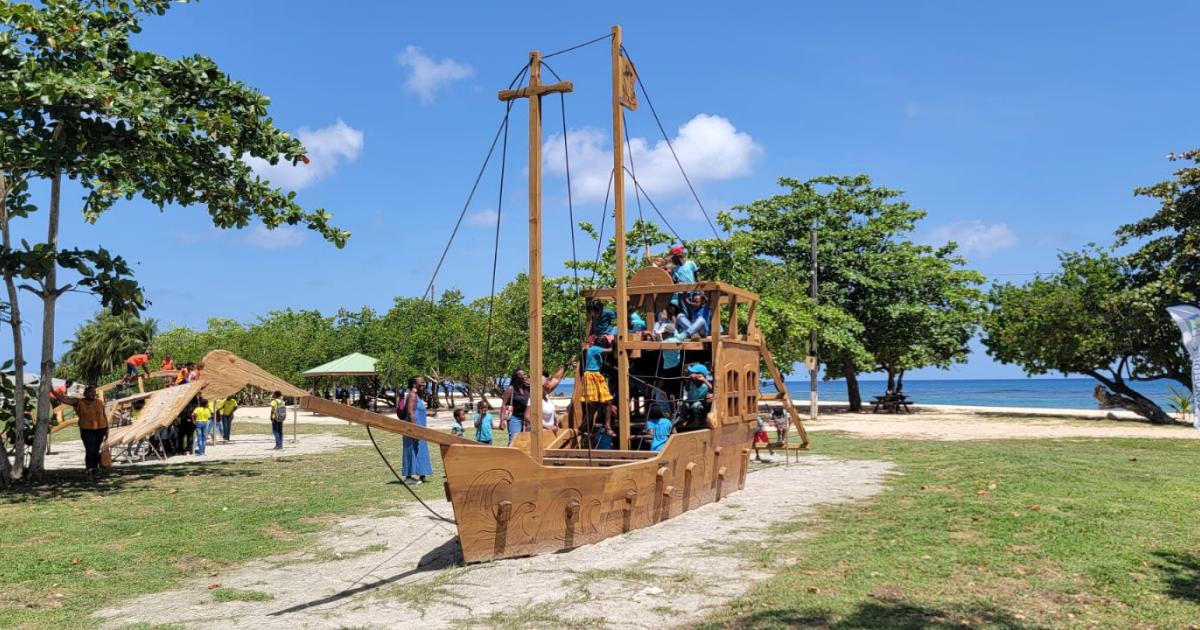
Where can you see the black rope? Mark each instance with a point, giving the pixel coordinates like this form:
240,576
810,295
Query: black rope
487,357
577,46
633,173
397,476
670,146
562,101
656,210
433,278
463,213
603,222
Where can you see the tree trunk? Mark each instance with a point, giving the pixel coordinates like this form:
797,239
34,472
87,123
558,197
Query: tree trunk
7,472
41,430
891,382
900,381
852,392
1115,393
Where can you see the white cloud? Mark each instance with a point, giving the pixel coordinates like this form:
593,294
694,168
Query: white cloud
976,237
428,75
327,147
281,237
483,218
709,146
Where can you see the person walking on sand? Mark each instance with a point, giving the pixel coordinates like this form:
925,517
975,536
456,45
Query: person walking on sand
278,415
201,415
93,428
416,464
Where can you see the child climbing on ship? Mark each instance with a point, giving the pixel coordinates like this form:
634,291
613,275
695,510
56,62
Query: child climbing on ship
133,363
694,410
604,321
483,423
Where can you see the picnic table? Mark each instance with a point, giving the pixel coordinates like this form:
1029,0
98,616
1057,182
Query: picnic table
892,403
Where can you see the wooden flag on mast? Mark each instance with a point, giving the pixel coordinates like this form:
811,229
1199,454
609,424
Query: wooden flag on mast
628,85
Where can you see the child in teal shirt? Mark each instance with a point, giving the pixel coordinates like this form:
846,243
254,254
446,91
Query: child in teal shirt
658,427
483,423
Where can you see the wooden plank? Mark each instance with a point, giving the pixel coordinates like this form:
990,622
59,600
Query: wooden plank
536,90
637,344
707,286
362,416
782,387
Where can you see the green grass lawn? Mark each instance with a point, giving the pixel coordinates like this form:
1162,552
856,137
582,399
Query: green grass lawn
1005,534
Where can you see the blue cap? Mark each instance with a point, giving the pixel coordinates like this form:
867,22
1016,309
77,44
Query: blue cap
698,368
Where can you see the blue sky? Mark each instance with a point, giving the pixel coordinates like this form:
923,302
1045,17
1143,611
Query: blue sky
1021,128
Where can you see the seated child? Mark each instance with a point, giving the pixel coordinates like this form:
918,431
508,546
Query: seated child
657,427
699,387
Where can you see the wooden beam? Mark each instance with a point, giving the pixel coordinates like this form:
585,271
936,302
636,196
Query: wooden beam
782,387
362,416
721,287
634,344
534,412
621,295
536,90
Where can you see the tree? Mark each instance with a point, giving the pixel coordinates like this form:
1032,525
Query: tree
101,345
77,101
873,283
1077,321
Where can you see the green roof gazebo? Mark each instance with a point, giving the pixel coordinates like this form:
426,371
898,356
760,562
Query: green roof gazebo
355,367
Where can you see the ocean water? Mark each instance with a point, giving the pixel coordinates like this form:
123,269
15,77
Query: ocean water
1058,393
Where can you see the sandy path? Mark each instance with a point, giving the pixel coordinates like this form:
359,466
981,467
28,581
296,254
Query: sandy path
972,425
69,453
404,571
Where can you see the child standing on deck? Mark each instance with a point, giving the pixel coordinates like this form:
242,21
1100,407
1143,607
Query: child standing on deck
483,423
658,427
596,392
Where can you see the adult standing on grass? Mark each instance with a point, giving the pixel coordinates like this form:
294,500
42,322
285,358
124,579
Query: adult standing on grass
278,415
228,406
93,427
416,464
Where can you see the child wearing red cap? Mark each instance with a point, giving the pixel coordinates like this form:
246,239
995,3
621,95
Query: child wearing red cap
684,270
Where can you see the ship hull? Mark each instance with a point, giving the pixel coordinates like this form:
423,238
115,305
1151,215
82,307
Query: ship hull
507,505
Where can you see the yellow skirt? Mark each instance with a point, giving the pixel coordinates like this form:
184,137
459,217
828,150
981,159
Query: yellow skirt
595,388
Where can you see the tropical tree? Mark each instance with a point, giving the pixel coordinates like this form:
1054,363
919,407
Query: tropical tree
102,344
874,284
79,102
1077,321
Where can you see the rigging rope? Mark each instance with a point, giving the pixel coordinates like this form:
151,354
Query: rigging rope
633,174
638,185
577,46
520,77
603,222
487,357
670,146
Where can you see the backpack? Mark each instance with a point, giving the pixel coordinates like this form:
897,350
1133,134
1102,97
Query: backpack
402,407
279,413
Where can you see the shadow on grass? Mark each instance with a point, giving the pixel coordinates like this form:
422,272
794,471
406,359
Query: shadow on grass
72,483
446,555
1181,574
895,615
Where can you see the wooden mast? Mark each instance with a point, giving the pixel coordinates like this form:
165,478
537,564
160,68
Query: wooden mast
619,218
534,92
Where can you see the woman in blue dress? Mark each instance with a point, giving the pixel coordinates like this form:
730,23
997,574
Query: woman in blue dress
416,452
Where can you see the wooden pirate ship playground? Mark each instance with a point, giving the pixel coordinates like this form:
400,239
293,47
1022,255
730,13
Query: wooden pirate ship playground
550,492
553,491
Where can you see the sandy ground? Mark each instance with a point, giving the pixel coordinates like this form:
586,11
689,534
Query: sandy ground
405,571
69,454
958,423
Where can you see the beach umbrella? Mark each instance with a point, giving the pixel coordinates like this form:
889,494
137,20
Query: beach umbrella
1187,317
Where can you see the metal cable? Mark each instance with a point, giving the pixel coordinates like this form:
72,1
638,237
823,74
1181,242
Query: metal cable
577,46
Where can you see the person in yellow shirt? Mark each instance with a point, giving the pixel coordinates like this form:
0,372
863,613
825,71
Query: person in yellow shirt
278,415
226,410
201,415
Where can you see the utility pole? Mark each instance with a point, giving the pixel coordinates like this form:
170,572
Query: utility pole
811,360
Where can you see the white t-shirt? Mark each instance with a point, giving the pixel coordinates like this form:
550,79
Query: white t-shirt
549,420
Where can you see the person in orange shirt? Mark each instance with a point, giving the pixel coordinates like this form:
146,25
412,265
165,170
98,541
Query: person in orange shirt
93,427
61,390
168,365
137,361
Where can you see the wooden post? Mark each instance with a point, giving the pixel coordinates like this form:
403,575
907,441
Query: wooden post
619,219
534,92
